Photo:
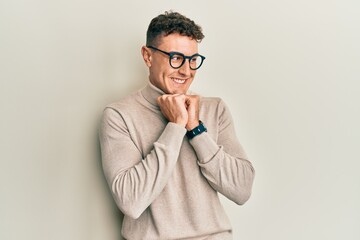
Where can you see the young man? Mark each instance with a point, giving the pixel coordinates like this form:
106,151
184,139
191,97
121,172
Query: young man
167,153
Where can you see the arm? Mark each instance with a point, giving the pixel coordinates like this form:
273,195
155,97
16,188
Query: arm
136,182
224,164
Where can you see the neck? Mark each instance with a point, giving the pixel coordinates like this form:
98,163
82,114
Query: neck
151,93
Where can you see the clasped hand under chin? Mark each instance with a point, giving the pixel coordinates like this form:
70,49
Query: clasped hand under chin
180,109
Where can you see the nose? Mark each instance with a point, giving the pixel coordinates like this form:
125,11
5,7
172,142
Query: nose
185,68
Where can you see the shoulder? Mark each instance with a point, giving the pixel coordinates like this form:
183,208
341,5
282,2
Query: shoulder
119,111
213,103
210,100
124,104
215,107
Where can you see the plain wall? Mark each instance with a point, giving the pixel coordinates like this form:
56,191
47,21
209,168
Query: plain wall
288,70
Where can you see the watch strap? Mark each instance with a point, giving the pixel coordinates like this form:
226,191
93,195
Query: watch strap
196,131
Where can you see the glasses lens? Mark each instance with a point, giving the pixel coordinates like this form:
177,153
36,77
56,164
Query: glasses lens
195,62
176,60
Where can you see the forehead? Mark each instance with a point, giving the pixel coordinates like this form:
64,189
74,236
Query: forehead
178,43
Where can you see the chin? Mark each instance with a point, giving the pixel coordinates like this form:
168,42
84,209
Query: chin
179,91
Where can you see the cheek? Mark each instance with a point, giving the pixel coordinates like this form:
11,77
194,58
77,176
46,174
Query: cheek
168,71
192,75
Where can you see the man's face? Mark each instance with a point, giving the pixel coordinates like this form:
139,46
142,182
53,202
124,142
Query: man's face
162,75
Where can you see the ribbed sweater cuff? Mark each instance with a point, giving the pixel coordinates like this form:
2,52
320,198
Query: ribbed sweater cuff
172,134
205,147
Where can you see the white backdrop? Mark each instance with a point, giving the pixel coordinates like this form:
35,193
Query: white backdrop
288,70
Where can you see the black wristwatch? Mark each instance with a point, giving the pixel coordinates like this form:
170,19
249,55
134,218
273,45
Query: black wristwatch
196,131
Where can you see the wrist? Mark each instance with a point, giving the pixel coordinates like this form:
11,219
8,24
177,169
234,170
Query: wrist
181,122
191,125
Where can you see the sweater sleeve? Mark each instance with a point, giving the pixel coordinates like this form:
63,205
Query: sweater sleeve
135,181
224,163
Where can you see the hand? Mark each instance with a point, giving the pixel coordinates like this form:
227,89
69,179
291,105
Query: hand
192,106
173,108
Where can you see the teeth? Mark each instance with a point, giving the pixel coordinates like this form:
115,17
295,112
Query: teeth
178,80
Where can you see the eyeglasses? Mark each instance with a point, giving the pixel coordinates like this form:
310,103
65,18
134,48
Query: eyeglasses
177,59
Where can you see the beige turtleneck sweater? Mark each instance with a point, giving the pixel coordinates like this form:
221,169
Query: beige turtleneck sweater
167,186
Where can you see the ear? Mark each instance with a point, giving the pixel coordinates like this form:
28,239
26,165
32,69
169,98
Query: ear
146,53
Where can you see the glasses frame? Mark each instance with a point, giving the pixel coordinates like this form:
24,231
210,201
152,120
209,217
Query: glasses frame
171,54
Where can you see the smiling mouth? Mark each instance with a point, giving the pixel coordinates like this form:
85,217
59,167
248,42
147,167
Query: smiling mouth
177,80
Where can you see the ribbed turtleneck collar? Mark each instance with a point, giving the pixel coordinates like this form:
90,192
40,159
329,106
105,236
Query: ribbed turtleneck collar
151,93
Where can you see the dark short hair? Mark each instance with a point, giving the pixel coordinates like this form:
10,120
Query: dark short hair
172,22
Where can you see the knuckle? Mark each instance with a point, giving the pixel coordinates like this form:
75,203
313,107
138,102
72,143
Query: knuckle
177,97
160,99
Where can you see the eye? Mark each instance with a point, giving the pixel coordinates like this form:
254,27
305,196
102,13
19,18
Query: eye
176,58
194,59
